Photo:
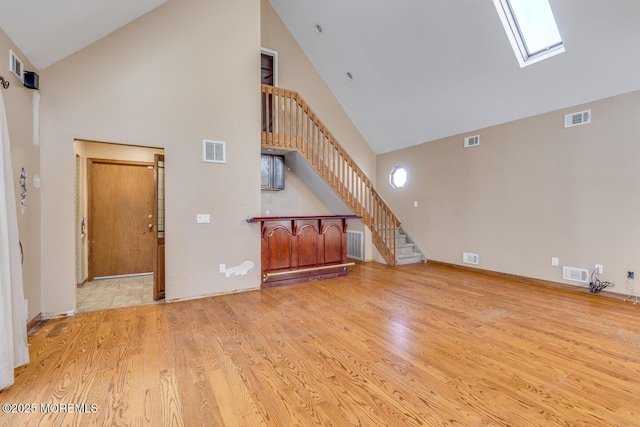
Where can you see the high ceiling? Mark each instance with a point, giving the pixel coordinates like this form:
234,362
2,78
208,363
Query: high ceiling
422,70
47,31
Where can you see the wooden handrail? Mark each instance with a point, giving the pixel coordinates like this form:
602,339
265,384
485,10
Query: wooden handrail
289,123
298,217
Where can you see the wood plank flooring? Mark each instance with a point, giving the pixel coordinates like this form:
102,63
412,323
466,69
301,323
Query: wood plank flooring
418,345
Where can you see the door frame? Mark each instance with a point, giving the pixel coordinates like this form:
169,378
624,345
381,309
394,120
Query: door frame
274,54
159,227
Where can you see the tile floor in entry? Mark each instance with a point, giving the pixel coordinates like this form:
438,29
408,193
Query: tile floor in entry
126,291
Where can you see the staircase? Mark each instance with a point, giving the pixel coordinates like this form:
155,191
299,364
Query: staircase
406,251
288,123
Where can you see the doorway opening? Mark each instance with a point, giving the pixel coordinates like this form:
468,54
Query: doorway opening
268,67
268,76
120,225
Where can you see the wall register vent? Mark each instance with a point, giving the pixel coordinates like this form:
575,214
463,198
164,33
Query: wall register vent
575,119
575,274
16,66
213,151
355,245
470,258
471,141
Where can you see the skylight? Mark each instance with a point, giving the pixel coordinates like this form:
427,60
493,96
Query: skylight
531,29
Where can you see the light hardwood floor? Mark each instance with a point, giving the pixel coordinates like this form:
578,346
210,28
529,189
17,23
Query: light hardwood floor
416,345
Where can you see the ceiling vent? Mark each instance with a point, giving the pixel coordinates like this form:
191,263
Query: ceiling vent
575,119
471,141
470,258
213,151
575,274
16,66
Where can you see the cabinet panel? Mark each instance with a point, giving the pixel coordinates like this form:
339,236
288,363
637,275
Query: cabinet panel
265,172
272,172
277,167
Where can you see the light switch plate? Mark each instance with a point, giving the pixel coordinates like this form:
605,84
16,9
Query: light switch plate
203,218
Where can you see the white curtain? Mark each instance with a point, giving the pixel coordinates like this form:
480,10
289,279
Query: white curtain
13,317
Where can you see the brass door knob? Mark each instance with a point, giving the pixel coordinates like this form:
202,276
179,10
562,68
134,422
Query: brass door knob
150,226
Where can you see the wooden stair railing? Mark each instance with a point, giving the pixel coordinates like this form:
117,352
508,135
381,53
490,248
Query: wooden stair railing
289,123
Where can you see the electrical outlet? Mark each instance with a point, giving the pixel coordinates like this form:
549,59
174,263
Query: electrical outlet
415,203
598,268
223,268
630,275
554,261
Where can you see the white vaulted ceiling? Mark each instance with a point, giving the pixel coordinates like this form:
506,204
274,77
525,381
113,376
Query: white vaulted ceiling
422,69
47,31
427,69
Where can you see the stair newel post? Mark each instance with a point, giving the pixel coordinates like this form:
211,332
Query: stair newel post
298,123
280,115
394,232
290,118
305,143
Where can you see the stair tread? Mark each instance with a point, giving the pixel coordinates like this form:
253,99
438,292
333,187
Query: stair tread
414,258
411,255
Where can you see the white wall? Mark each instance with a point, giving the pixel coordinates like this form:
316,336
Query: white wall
530,191
18,101
185,71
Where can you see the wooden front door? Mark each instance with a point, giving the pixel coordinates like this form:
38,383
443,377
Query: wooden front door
121,218
158,277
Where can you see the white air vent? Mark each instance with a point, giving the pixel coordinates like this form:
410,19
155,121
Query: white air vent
355,245
575,274
471,141
213,151
15,65
575,119
470,258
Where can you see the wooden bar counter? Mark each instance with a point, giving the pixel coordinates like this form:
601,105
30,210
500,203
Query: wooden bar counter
299,249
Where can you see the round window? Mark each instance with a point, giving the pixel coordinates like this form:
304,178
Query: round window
398,177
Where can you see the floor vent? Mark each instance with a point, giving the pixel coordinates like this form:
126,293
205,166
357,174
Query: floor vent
471,141
575,274
575,119
470,258
355,245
